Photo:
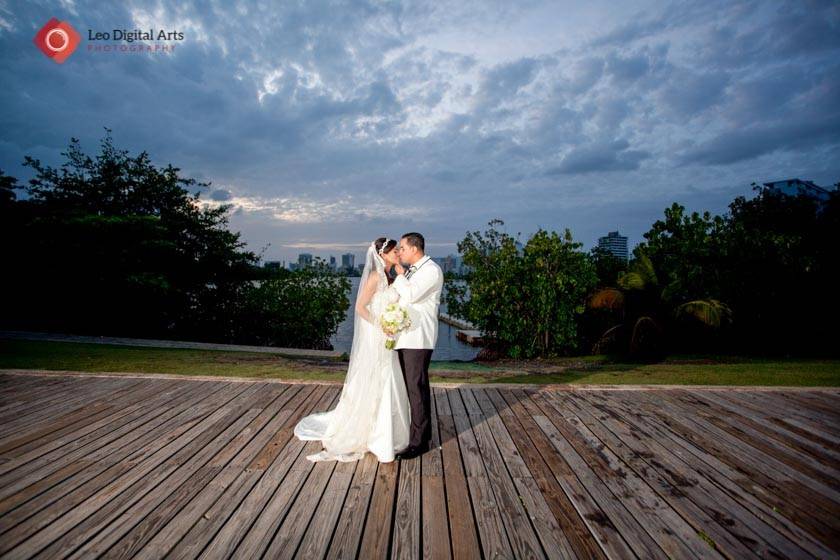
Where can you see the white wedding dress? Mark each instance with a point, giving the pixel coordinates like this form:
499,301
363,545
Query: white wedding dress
373,412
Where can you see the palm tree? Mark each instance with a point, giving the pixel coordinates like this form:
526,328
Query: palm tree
640,313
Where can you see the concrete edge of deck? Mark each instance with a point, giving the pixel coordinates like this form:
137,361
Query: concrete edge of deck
449,385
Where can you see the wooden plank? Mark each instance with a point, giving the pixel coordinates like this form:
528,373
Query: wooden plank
548,531
491,530
71,410
546,467
461,521
819,493
186,469
759,423
818,410
559,431
18,383
230,516
740,428
32,473
32,388
55,449
291,530
253,512
729,464
316,540
523,538
376,535
434,537
794,415
70,485
406,530
74,529
267,522
60,523
740,528
34,477
118,407
680,487
230,481
117,538
26,400
70,401
177,502
351,520
778,421
824,401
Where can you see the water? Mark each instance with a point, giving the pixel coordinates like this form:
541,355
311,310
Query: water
448,347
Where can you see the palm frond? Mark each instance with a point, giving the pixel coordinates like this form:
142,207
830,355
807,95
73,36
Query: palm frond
710,312
646,340
631,281
607,298
608,341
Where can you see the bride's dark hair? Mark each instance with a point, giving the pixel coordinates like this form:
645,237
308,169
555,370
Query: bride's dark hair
388,248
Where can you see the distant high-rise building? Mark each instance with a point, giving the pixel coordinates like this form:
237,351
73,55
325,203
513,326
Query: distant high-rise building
794,187
304,259
273,265
332,262
348,260
615,244
447,264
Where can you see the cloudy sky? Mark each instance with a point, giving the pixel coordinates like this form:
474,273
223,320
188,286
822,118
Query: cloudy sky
329,124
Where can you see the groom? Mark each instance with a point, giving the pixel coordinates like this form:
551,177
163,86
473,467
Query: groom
419,289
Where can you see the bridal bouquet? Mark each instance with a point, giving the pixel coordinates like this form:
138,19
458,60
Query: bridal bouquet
393,320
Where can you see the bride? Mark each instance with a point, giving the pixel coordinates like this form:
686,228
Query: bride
373,411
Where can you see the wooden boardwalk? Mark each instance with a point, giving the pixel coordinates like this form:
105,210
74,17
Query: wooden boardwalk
120,467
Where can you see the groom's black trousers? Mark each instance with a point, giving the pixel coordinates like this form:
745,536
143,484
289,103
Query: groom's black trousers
415,367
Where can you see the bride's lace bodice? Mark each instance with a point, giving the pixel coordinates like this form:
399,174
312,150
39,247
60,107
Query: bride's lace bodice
384,295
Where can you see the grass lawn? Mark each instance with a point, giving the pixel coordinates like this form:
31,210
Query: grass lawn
678,370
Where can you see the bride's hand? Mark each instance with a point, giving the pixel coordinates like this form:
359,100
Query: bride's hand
400,269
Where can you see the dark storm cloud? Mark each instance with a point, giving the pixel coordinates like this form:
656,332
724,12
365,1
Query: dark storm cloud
755,141
332,124
612,156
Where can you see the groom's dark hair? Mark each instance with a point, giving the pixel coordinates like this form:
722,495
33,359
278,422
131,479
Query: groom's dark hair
415,240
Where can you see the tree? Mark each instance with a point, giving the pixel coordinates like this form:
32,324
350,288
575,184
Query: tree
779,261
684,250
300,309
528,302
607,266
641,323
115,245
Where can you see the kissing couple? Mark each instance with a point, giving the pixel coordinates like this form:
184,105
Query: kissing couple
385,404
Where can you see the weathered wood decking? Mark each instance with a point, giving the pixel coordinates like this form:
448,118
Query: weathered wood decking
120,467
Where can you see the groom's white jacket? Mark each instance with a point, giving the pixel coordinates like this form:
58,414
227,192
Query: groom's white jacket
420,295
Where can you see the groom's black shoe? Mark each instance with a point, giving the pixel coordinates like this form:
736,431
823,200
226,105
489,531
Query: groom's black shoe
413,451
409,452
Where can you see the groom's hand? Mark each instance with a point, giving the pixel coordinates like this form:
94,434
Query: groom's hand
400,269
